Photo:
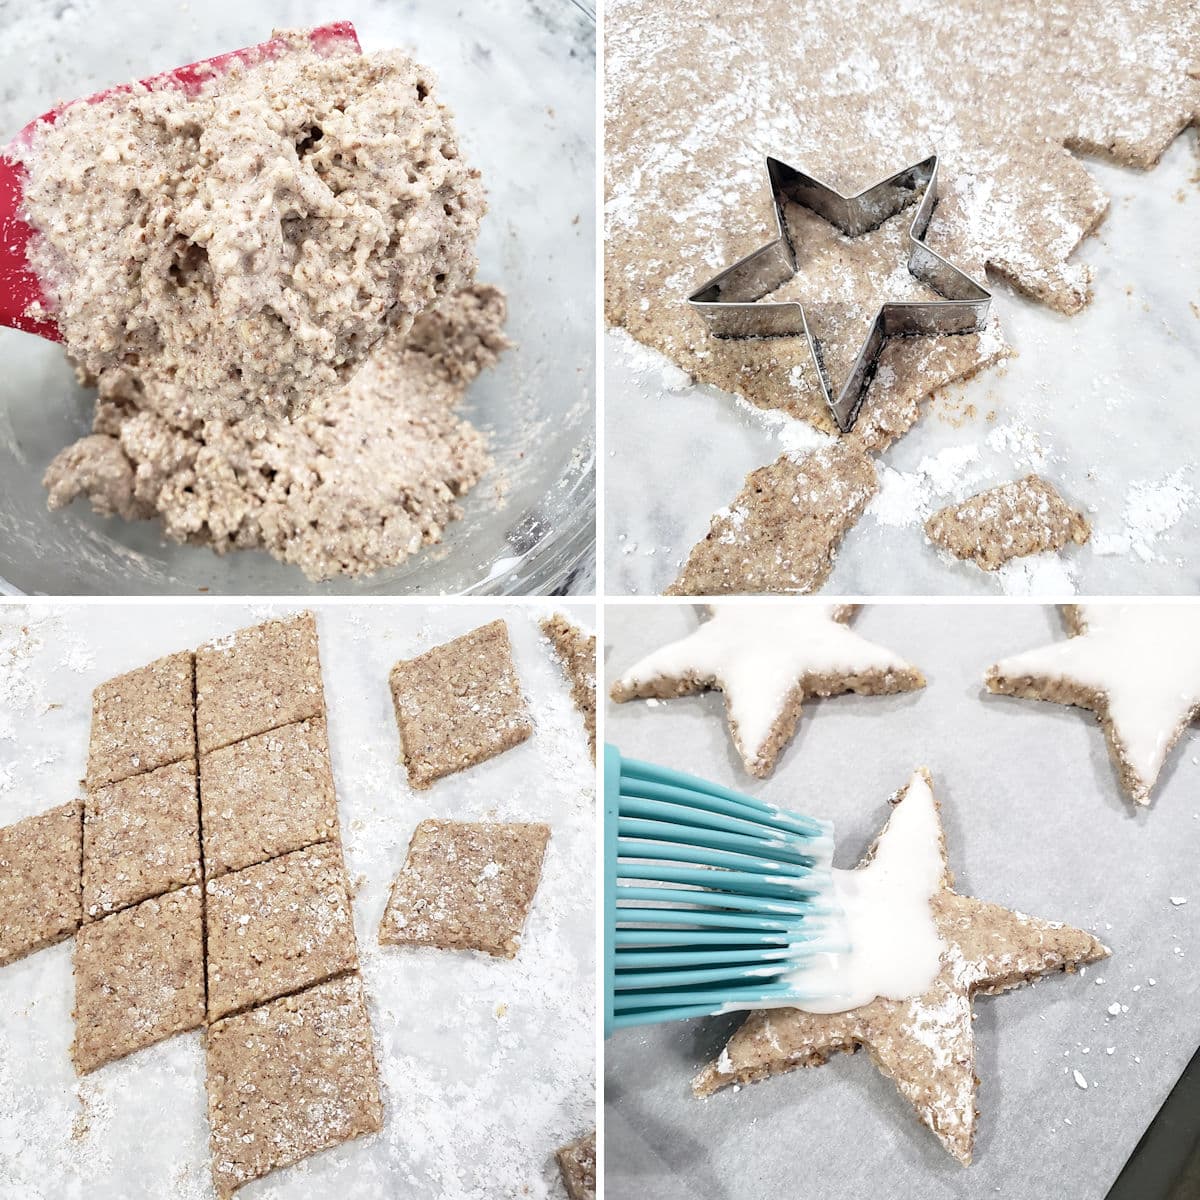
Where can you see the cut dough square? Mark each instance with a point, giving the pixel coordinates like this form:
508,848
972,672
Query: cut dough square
139,978
39,881
276,928
466,886
257,679
142,720
576,651
459,704
267,796
141,838
577,1165
290,1078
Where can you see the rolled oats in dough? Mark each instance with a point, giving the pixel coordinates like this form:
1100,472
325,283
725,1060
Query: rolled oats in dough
1026,516
251,241
372,472
783,529
926,1043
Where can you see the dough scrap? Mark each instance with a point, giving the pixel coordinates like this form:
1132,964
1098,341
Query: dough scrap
141,838
1026,516
782,531
371,473
576,652
686,189
250,242
925,1045
577,1166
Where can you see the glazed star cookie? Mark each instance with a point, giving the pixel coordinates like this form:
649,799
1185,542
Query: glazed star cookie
768,659
1137,667
919,1033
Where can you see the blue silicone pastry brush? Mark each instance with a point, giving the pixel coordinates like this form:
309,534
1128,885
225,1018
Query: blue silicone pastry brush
713,901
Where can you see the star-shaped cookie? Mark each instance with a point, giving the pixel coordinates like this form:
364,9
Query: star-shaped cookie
1137,667
767,659
926,1044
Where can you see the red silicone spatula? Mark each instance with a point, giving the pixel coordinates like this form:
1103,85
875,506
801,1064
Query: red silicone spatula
19,286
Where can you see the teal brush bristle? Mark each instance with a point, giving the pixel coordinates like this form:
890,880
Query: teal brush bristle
712,899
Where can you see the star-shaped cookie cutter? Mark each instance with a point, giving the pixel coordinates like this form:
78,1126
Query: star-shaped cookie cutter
727,302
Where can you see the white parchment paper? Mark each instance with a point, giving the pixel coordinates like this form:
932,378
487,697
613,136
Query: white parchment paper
487,1064
1034,820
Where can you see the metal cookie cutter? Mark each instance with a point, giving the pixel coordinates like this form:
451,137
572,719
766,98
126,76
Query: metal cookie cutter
727,301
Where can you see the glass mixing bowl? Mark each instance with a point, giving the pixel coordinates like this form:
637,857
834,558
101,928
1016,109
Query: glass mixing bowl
519,76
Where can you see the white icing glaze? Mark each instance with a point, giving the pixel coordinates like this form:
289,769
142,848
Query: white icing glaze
1145,659
895,950
758,653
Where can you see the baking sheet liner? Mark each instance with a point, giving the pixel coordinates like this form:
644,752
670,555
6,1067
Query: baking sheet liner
487,1065
1035,820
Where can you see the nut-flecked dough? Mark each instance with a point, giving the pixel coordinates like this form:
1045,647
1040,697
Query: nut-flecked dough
371,473
459,704
925,1044
266,796
257,679
276,928
139,978
141,838
782,531
1023,517
288,1079
1001,91
466,885
576,651
251,241
998,89
142,720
